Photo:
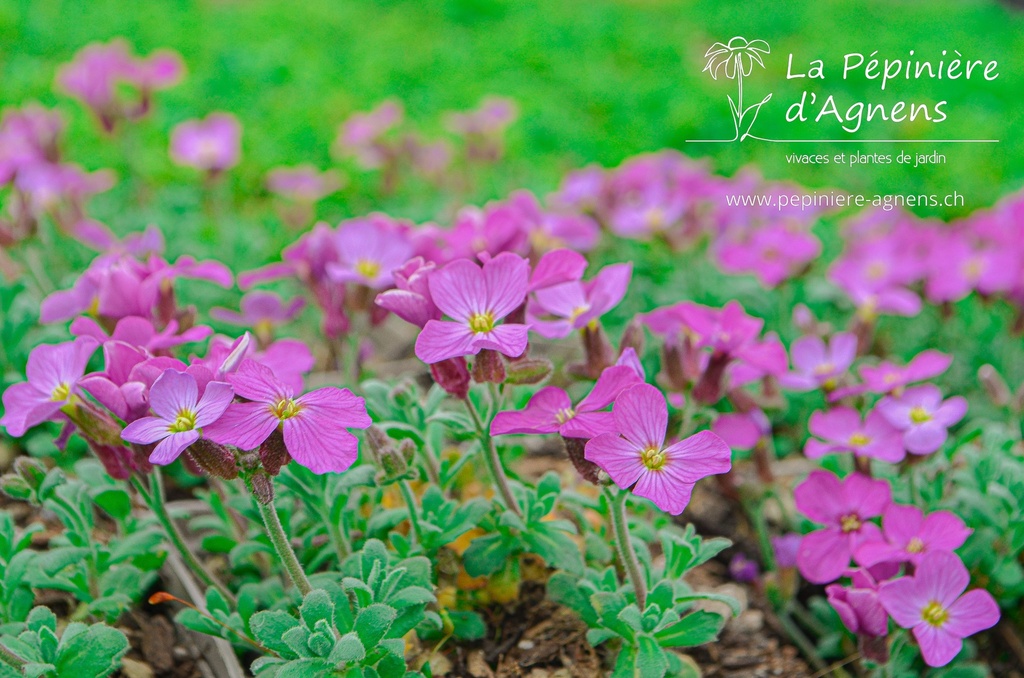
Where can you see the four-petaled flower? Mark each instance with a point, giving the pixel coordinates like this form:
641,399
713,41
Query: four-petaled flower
842,431
910,535
923,416
637,457
313,424
180,414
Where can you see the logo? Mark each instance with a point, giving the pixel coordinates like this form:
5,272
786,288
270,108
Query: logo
736,60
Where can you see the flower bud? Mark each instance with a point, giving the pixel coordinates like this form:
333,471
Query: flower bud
32,471
528,371
94,423
407,448
575,448
709,388
995,386
273,453
405,394
214,458
453,376
116,459
391,461
633,337
262,487
599,353
488,367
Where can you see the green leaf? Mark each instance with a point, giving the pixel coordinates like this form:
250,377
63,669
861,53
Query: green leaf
114,501
348,650
695,628
305,668
41,617
488,554
269,628
90,652
316,606
373,623
555,546
564,589
467,625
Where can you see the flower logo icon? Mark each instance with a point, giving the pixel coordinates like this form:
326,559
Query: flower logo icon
736,59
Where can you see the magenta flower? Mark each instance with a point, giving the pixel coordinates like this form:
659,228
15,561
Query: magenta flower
260,310
303,183
820,366
575,305
910,535
889,378
933,604
957,268
923,416
369,250
476,299
557,267
53,374
636,456
362,135
772,252
180,414
313,424
841,430
411,300
551,410
121,387
845,508
785,547
289,359
213,144
742,430
858,605
140,332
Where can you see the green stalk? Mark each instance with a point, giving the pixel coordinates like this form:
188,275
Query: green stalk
620,531
410,501
156,503
284,550
493,461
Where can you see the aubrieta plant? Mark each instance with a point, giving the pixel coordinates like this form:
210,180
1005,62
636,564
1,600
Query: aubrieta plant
364,515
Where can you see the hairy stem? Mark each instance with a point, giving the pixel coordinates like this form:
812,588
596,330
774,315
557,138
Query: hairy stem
410,502
620,531
284,549
156,501
492,460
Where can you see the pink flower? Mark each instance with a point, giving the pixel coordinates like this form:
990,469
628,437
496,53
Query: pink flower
818,365
910,535
957,268
923,416
578,304
476,299
260,309
933,604
786,547
289,359
842,431
140,332
845,508
858,605
892,379
362,135
213,144
180,414
53,374
551,410
742,430
636,457
773,253
369,250
303,183
411,301
313,425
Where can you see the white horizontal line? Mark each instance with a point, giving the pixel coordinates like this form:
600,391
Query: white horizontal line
849,141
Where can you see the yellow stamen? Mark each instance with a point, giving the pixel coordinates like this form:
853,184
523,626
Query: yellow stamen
565,415
368,268
481,323
859,440
61,393
850,522
876,270
915,545
653,458
919,415
285,408
824,368
934,614
185,421
655,218
578,311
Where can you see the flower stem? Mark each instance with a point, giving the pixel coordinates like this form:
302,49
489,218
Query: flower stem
284,550
620,531
410,501
156,501
492,460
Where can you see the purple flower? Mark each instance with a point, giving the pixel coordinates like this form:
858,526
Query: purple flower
923,416
910,535
362,135
743,569
213,144
53,372
289,359
859,606
140,332
933,604
842,431
785,548
845,508
742,430
180,414
557,267
411,300
260,310
636,457
578,304
551,410
773,253
889,378
476,299
369,250
313,424
818,365
303,183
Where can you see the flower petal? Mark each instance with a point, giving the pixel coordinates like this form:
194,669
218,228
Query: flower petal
665,491
215,400
974,611
641,415
321,449
702,454
146,430
171,447
539,415
440,340
617,456
244,425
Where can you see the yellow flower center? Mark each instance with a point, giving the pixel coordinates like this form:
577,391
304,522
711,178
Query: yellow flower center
578,311
565,415
919,415
61,393
934,614
876,270
655,218
859,440
285,408
481,323
973,268
915,545
185,421
850,522
367,268
824,368
653,458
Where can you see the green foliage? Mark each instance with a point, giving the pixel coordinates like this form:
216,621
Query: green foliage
79,651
